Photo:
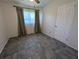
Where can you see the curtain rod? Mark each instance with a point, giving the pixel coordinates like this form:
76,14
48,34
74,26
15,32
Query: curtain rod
27,8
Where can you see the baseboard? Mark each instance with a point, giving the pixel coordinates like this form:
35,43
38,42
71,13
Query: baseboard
71,47
3,45
61,42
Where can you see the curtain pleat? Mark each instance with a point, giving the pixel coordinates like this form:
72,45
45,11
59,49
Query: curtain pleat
21,24
37,22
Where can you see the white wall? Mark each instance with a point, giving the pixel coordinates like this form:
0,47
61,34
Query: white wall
72,40
50,15
49,20
10,17
3,31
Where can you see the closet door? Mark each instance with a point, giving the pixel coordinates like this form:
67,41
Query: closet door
64,21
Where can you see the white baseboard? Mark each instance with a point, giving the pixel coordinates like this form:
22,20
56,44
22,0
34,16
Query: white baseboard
62,42
3,45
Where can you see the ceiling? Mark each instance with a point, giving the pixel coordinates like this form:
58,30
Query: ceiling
27,3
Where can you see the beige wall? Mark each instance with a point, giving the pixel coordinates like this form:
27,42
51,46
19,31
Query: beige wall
50,15
10,17
3,30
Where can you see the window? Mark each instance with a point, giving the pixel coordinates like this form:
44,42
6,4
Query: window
29,16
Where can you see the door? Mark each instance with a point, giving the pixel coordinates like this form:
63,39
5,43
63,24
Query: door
64,21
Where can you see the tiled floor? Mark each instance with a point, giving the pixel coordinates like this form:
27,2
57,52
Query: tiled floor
37,46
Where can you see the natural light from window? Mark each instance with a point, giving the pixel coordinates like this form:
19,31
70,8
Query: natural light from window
29,16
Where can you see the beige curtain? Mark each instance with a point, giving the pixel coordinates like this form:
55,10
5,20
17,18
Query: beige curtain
21,25
37,22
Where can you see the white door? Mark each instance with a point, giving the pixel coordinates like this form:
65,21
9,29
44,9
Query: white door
64,21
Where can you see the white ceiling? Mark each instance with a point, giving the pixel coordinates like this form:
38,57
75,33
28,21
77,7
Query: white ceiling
27,3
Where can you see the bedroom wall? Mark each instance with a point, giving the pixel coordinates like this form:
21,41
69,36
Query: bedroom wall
72,39
10,17
50,15
3,30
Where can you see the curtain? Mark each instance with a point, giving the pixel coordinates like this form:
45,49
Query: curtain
37,22
21,25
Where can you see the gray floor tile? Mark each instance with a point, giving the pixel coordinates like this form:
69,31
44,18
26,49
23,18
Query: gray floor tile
37,46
